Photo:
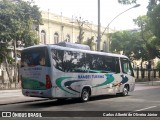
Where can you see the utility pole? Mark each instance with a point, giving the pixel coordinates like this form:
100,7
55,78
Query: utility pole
99,28
45,42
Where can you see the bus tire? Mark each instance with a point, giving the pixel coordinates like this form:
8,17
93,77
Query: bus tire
85,95
125,91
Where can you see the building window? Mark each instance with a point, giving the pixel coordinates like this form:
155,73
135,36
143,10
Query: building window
56,38
43,37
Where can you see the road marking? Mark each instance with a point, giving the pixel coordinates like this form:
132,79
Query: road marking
146,108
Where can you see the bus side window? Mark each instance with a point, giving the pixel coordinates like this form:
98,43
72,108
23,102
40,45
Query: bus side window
126,67
117,66
74,62
57,57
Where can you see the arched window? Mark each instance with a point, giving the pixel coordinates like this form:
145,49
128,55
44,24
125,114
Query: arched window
43,37
56,38
68,38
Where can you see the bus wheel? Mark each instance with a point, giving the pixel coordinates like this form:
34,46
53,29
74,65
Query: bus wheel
85,95
125,90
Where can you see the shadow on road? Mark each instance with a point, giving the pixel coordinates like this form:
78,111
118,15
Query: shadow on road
54,102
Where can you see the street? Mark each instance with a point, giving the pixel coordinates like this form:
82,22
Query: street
144,98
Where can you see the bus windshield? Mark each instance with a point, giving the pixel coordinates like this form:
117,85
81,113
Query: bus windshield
34,57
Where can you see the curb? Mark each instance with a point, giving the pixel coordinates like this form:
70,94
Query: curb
14,102
10,90
152,83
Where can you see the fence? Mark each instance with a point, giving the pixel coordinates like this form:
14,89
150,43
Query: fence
146,75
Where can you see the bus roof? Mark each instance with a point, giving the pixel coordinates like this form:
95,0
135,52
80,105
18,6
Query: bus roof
73,45
50,46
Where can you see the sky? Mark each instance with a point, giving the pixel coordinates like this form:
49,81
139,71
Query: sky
88,10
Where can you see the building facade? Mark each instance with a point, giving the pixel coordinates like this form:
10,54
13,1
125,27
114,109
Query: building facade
57,28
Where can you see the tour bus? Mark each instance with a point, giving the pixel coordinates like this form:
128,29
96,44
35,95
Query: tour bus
68,70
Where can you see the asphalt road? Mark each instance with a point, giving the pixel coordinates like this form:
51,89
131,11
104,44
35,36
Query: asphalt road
144,98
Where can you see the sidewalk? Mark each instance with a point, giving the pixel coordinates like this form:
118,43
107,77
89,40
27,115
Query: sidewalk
151,83
16,96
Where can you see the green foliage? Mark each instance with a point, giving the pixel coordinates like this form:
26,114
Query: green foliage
152,4
147,35
142,22
90,43
154,23
132,45
158,65
2,49
155,20
4,53
149,25
128,42
16,24
137,45
17,21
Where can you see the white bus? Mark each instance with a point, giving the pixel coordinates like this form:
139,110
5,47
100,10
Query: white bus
69,71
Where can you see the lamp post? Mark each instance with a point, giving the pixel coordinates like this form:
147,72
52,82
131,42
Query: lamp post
135,6
99,28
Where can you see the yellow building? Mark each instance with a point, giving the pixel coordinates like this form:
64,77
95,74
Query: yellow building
57,28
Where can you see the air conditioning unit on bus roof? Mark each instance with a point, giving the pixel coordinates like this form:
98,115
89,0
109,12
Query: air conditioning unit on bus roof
73,45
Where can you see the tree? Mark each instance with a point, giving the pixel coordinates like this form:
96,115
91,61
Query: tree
4,57
17,20
80,22
152,24
90,43
136,45
152,4
127,42
147,36
131,44
16,24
